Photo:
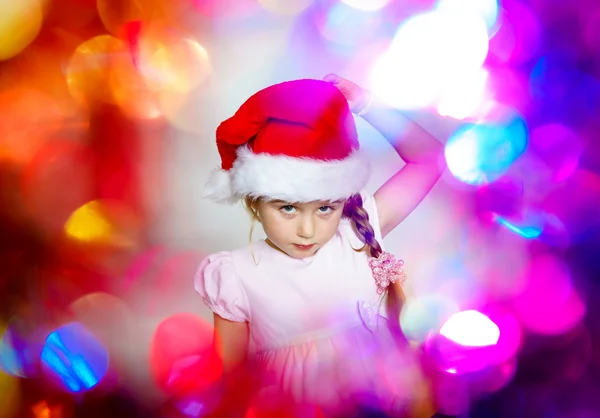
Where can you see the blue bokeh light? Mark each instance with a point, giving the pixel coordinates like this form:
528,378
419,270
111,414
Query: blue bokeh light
74,356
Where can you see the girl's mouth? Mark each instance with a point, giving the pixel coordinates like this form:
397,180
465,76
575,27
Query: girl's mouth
304,247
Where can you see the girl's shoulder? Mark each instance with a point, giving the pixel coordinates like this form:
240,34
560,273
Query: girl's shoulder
239,261
219,284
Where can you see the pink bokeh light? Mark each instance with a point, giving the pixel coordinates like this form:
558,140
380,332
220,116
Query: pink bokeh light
518,37
548,304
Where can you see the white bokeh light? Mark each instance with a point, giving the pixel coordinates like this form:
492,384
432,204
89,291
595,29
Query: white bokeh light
472,329
465,97
429,52
462,158
366,5
486,9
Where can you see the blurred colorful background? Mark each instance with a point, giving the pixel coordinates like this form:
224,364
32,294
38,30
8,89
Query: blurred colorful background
107,116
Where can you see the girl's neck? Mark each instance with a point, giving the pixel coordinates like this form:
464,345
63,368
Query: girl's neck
268,241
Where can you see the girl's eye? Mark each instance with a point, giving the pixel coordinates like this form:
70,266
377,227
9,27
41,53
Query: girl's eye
325,209
287,209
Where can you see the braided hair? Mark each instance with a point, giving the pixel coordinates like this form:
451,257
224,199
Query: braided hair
359,219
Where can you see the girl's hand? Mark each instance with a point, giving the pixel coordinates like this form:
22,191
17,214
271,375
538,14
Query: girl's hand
358,98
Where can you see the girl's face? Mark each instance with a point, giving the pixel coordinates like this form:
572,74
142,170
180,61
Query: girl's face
299,229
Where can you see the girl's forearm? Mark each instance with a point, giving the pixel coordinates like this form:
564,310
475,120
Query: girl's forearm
412,143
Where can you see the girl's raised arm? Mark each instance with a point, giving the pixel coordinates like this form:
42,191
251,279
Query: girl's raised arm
422,152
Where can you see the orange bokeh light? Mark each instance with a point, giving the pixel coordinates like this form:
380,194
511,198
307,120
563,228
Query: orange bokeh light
28,118
116,14
89,69
178,66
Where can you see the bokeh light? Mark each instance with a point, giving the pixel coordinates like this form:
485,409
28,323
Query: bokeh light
57,163
472,341
182,357
130,91
481,153
20,23
200,404
224,10
425,314
159,64
346,26
366,5
140,264
73,358
560,87
104,234
89,224
11,396
530,227
511,336
486,9
482,247
508,85
575,204
519,34
471,328
559,147
178,66
494,378
428,52
102,222
466,96
9,361
287,7
46,409
103,314
449,279
455,358
549,304
174,70
116,14
592,31
19,351
29,118
90,67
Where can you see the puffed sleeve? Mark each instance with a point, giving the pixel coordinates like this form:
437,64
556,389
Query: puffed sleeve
221,289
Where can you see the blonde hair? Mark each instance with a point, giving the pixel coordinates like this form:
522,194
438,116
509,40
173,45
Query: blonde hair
249,203
359,219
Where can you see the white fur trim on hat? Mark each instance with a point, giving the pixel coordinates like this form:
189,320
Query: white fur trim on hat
219,187
287,178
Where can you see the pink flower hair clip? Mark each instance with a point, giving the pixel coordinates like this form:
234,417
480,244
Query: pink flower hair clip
386,270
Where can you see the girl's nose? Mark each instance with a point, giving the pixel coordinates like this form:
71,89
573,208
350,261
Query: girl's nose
306,228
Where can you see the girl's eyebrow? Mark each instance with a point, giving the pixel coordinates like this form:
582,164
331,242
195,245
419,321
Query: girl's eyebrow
278,201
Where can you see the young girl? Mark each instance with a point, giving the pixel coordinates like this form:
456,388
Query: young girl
319,298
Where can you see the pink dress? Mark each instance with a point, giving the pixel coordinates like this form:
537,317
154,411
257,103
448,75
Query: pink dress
316,323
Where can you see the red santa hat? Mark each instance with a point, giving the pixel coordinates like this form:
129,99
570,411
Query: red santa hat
295,141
